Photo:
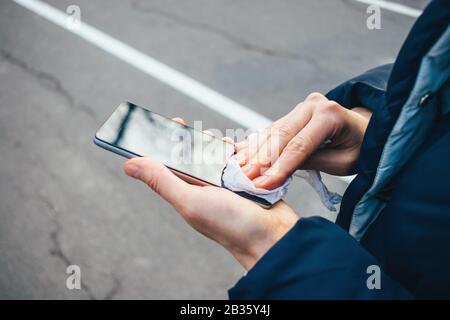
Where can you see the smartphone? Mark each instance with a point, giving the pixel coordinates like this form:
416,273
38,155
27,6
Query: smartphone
194,156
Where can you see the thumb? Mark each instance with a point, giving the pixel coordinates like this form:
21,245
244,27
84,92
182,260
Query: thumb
159,178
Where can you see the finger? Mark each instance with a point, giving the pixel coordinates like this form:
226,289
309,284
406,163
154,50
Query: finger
250,139
332,161
240,158
241,145
280,134
253,168
179,120
267,153
229,140
208,132
295,153
239,149
159,178
251,147
255,141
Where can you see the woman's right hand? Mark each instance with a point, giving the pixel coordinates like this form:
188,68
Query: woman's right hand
317,134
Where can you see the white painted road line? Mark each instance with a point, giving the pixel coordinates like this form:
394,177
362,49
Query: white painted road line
394,7
234,111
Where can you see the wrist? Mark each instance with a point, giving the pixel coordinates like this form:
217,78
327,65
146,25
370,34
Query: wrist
258,246
366,113
250,255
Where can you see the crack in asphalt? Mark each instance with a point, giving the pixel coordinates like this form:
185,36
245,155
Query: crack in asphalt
55,85
57,88
239,42
116,286
48,80
57,250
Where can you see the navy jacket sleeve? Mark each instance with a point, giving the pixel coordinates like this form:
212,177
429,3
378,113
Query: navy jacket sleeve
366,90
316,259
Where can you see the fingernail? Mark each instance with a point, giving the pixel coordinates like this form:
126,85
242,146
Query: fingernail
259,180
133,170
246,168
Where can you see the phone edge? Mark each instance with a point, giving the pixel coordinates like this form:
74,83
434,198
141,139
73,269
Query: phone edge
121,152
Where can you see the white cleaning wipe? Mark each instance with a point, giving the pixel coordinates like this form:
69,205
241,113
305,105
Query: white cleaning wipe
328,198
234,179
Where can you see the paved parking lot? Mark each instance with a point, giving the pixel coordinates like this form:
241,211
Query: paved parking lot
63,201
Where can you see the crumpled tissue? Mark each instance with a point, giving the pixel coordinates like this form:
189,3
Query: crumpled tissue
234,179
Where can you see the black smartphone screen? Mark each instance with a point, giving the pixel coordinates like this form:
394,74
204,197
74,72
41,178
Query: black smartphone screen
144,133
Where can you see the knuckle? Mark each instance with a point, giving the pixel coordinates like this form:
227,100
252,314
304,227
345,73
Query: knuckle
152,180
315,96
332,113
264,160
284,131
152,177
331,107
298,145
299,105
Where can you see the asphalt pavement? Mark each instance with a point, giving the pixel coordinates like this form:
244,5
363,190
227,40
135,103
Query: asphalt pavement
64,201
